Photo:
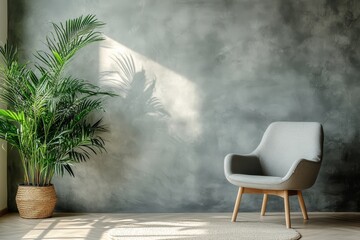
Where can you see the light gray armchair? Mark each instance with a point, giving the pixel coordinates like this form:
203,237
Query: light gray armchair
286,161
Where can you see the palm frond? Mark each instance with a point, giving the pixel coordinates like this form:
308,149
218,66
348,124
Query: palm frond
12,116
67,39
9,132
9,54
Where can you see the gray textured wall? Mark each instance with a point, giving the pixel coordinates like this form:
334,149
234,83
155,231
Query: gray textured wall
221,72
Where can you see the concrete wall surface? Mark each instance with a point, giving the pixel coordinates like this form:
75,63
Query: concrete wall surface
220,73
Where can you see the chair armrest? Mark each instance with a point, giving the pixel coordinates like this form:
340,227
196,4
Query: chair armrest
302,174
242,164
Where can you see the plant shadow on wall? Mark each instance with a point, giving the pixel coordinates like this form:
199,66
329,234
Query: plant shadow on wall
141,111
147,144
136,93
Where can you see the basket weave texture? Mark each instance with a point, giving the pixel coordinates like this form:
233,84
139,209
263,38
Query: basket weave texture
36,202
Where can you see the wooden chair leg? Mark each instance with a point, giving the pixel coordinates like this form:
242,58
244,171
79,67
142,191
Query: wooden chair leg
263,207
287,209
302,205
237,204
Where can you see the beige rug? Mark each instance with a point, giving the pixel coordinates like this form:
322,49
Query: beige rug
204,230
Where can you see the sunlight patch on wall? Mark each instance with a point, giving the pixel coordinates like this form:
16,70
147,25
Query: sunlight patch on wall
178,94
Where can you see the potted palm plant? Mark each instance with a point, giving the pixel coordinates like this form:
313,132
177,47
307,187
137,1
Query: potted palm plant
49,118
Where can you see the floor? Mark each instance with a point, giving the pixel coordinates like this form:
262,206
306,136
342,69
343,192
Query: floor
344,226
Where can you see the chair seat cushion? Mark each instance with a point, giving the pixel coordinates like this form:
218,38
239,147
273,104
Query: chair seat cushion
256,181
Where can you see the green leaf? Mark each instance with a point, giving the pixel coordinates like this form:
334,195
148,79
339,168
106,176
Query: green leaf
58,57
11,115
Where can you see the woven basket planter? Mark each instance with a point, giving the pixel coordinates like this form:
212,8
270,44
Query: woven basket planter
35,202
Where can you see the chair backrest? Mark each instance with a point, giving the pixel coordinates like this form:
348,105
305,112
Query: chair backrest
284,143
